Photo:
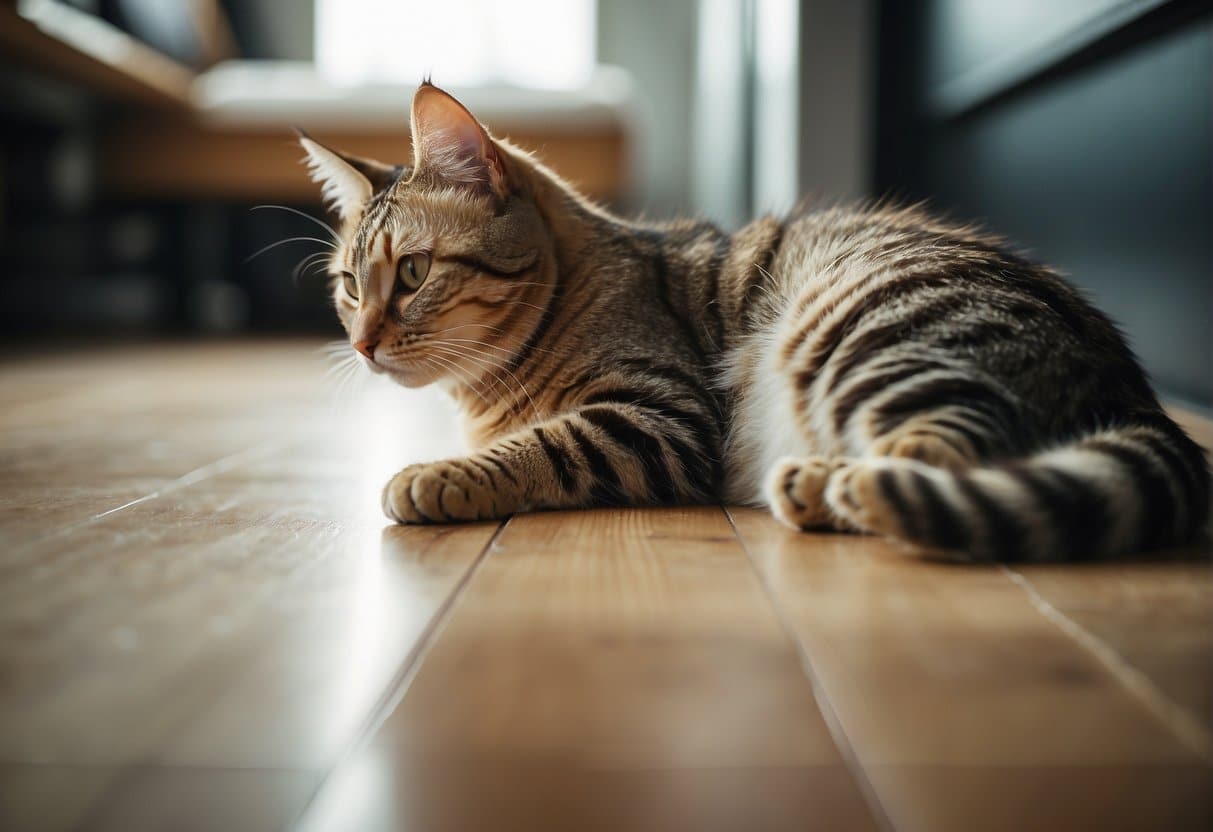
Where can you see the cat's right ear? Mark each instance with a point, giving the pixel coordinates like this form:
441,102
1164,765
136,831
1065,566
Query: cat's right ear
343,187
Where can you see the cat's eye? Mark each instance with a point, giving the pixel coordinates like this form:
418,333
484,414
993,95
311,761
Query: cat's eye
412,270
351,284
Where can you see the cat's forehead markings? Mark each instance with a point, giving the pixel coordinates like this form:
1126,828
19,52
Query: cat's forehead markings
393,240
377,215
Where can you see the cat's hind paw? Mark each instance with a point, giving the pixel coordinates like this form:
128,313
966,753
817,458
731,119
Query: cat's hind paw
879,495
795,490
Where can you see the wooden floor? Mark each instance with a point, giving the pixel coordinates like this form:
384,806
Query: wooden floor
206,624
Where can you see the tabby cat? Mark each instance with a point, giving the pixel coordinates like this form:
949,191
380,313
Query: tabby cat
873,369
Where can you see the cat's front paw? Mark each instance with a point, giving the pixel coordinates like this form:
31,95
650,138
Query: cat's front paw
436,492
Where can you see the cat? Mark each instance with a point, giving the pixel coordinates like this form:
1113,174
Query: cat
872,369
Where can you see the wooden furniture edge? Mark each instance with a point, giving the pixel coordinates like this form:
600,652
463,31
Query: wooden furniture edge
125,68
168,158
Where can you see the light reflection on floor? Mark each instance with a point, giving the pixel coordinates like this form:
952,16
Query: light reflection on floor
386,428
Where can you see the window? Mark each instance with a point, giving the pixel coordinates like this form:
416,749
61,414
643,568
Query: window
546,44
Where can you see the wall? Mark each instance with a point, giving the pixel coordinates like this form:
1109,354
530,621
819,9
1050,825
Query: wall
655,41
837,87
1084,132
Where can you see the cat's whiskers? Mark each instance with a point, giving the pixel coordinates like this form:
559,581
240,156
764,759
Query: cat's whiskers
461,373
509,301
338,354
344,370
509,352
314,256
343,362
521,386
430,362
506,353
307,264
457,327
517,342
299,239
485,371
340,370
332,231
490,368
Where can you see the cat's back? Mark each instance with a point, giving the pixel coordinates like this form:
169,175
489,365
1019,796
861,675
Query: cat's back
873,282
821,248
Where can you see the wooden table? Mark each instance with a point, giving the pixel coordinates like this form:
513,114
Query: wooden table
205,623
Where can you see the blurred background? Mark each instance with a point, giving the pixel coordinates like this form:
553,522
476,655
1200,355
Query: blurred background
139,137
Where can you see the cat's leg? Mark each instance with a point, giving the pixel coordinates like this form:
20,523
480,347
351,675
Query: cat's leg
602,454
906,471
879,421
796,488
857,493
935,439
795,491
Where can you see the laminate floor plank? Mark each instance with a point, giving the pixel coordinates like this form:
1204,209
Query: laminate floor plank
389,788
42,798
966,706
241,623
206,623
84,434
1155,618
201,657
118,799
1121,797
605,669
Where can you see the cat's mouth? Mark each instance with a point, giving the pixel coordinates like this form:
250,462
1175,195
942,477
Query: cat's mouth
408,370
372,364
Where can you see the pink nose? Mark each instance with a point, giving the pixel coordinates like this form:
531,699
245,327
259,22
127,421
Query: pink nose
367,348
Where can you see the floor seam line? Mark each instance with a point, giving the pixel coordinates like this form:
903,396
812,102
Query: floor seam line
1141,687
838,734
402,680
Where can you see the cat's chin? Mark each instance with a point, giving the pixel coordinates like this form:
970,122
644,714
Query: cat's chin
409,381
411,377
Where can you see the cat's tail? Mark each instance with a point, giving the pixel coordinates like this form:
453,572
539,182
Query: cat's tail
1116,491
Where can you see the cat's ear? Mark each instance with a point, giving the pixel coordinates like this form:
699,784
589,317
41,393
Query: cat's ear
451,145
344,188
380,176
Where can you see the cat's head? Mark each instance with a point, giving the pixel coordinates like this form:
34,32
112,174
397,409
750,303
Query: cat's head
444,266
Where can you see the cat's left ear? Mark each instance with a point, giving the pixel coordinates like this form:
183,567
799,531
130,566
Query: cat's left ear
344,188
451,145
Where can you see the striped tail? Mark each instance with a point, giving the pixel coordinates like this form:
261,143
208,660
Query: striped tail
1116,491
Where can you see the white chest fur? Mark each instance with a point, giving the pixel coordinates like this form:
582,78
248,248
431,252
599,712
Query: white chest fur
764,426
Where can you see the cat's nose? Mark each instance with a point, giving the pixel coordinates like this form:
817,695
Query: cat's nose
367,348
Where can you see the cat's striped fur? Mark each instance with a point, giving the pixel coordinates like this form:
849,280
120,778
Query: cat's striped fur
872,369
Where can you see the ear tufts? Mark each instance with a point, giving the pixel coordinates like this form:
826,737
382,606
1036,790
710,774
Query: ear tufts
343,188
